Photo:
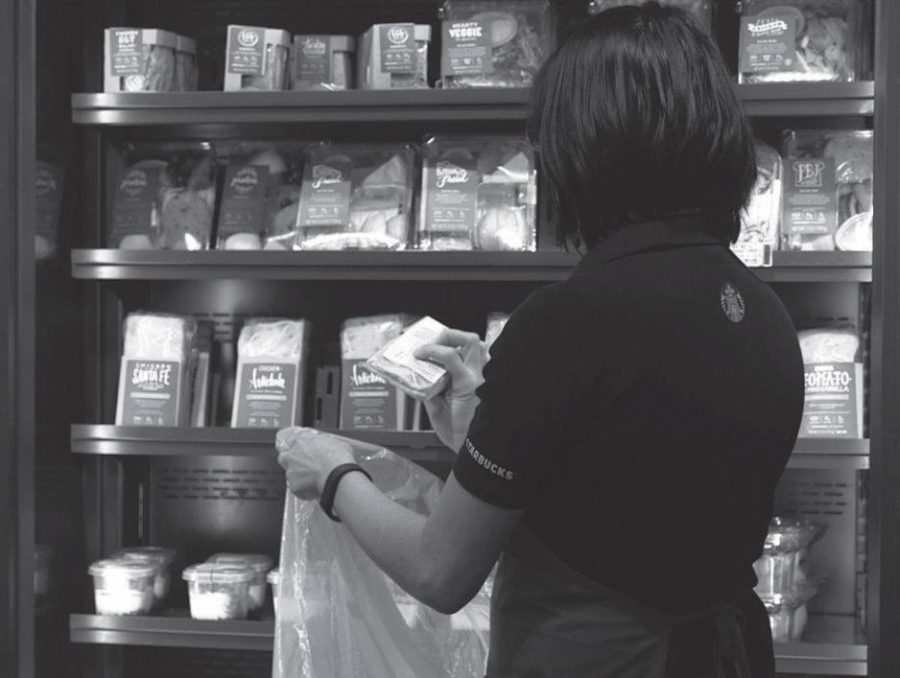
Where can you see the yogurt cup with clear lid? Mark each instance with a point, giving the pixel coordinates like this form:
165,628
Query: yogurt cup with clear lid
219,591
162,556
123,587
259,564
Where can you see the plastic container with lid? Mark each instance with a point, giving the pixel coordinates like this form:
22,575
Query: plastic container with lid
161,556
256,59
394,56
123,587
219,591
259,564
139,60
323,62
185,65
42,556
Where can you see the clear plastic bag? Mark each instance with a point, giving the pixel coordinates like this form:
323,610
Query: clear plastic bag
339,615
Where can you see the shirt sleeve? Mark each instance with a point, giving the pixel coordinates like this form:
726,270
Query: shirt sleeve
536,389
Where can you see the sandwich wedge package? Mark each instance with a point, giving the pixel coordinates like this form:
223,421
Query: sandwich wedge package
139,60
339,615
804,40
702,10
394,56
270,373
477,193
759,220
395,361
323,62
260,196
256,59
154,380
495,43
164,198
49,175
828,190
356,196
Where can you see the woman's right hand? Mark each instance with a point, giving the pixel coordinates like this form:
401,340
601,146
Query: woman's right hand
464,356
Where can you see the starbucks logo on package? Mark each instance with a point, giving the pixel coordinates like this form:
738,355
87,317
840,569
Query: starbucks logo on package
732,302
767,27
134,182
325,175
398,35
448,173
809,174
314,47
245,180
248,38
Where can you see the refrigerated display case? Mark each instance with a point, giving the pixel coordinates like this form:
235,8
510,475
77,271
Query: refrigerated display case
86,488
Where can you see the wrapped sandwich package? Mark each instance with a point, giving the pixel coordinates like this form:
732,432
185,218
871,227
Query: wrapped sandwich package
260,196
164,198
394,56
139,60
323,62
257,59
478,193
828,190
760,219
396,362
154,379
834,406
270,373
356,196
495,43
702,10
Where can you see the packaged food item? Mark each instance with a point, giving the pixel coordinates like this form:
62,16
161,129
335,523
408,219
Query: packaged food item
186,71
139,60
495,43
828,194
42,557
395,361
260,196
829,345
323,62
834,404
201,373
48,195
804,40
356,196
259,564
256,59
153,555
123,587
368,402
394,56
788,616
702,10
759,220
495,324
273,578
270,373
219,591
165,198
153,380
478,193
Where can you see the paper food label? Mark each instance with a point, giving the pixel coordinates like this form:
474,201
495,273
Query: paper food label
401,350
151,393
135,201
466,48
768,43
753,254
244,199
398,48
810,197
266,395
368,402
451,197
834,401
325,195
312,59
246,50
125,51
47,197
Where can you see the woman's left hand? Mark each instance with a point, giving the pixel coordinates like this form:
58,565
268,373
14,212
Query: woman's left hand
309,460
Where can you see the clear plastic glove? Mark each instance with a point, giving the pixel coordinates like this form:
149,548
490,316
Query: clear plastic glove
463,355
308,460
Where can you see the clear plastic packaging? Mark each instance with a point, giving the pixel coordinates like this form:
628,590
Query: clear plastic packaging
260,565
139,60
165,198
217,591
42,557
186,72
780,570
805,40
478,193
260,195
257,59
323,62
337,612
829,345
395,361
356,196
760,219
702,10
153,555
495,43
495,324
394,56
123,587
788,613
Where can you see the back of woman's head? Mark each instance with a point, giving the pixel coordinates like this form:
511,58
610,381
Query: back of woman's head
635,117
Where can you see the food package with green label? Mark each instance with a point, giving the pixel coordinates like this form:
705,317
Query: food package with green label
49,180
270,382
828,190
495,43
323,62
139,60
478,194
804,41
760,218
164,197
394,56
154,380
356,196
256,59
702,10
260,195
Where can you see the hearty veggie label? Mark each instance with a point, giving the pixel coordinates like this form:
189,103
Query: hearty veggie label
325,194
398,48
368,402
152,395
126,48
768,43
833,406
47,197
466,48
312,59
135,201
810,199
267,395
246,50
451,196
244,199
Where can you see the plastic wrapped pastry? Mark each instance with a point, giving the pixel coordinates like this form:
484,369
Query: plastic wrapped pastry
361,338
257,59
396,363
702,10
139,60
829,345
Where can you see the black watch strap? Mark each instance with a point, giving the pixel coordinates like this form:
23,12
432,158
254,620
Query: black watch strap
326,501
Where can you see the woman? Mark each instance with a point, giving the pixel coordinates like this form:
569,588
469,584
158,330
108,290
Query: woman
621,452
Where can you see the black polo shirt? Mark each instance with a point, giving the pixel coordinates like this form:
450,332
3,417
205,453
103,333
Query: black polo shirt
642,412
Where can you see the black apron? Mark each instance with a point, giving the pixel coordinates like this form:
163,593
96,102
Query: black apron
549,621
